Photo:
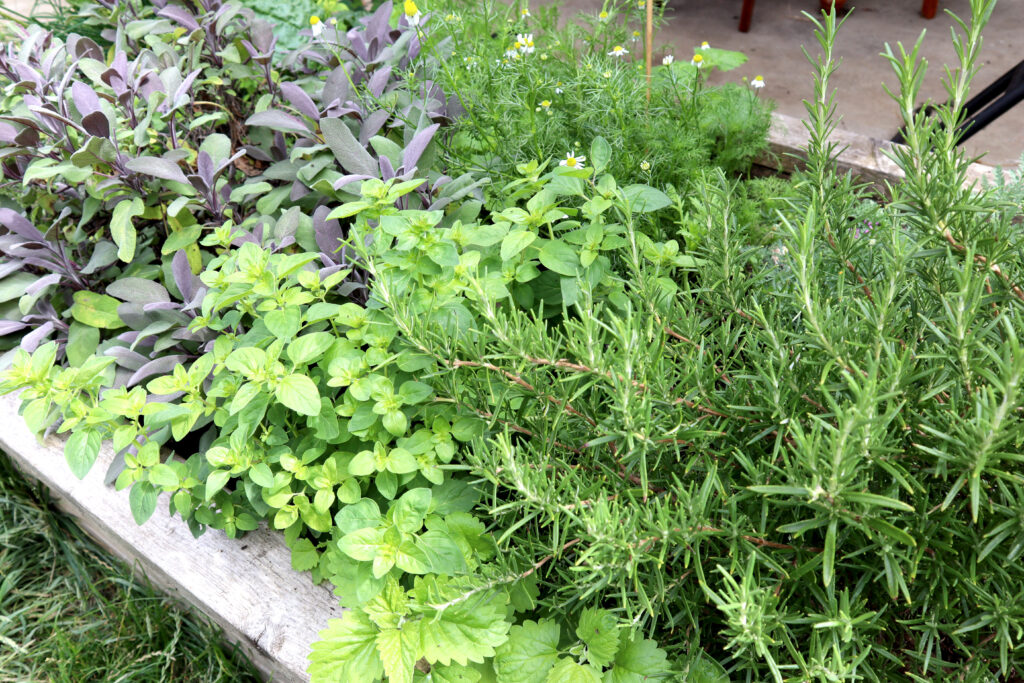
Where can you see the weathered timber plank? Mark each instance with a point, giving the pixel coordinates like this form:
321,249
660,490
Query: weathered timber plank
863,155
247,585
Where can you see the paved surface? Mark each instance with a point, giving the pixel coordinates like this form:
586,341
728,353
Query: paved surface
778,31
19,6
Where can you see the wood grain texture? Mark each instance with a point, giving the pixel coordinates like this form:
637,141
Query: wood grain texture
247,585
863,155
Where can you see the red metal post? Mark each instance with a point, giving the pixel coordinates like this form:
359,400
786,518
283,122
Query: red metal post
746,15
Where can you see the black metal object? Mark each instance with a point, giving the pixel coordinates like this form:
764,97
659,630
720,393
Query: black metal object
988,105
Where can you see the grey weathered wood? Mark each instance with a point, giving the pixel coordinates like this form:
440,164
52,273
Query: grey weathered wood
247,585
863,155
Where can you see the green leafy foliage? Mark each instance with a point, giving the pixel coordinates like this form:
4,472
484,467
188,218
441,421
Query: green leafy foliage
566,90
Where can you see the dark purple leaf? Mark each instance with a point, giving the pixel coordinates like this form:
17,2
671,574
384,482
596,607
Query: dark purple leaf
184,279
137,290
279,120
180,15
148,84
31,341
263,36
85,98
126,358
19,225
82,47
336,87
204,167
299,190
96,123
298,99
353,157
387,171
158,168
378,25
414,150
28,137
182,90
379,80
372,125
328,232
50,116
159,366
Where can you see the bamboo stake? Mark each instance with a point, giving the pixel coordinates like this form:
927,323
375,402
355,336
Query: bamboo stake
649,47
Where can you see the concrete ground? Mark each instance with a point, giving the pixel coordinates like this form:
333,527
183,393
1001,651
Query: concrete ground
779,29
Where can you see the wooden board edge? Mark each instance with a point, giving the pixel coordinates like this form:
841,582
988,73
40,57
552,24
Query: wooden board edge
862,155
246,586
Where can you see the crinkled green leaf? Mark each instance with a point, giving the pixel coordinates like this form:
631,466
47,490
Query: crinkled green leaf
347,650
596,628
529,653
570,671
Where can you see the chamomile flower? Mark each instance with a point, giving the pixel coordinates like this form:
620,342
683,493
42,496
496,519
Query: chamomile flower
316,26
645,165
545,106
641,4
525,12
668,59
524,43
757,83
697,61
572,160
704,45
603,16
607,74
635,37
618,51
558,88
412,13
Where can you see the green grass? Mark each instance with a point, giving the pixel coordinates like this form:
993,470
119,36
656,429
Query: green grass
71,612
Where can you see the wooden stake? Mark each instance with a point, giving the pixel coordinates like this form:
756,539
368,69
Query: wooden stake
649,47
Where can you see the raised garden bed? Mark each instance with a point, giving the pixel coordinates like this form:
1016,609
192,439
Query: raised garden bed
248,586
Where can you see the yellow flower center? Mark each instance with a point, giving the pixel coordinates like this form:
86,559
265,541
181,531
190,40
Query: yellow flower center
602,15
410,8
314,20
618,48
698,59
705,45
546,103
571,161
516,45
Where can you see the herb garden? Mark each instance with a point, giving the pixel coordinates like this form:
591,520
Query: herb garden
495,326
